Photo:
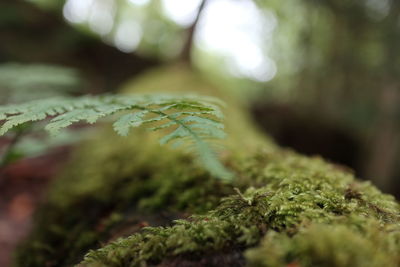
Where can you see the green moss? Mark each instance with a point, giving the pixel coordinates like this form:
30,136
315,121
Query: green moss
69,221
297,192
339,245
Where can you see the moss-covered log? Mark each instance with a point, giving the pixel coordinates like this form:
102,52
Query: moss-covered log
282,208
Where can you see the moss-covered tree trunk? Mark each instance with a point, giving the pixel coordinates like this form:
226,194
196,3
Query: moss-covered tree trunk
120,197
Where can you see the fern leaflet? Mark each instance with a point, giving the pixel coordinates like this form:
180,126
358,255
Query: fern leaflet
192,119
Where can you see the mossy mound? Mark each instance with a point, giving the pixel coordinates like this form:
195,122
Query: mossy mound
114,187
113,184
293,194
95,198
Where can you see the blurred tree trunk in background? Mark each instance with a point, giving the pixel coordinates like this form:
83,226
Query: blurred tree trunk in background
384,155
350,73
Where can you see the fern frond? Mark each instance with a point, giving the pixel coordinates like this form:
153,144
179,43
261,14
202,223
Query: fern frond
24,82
191,120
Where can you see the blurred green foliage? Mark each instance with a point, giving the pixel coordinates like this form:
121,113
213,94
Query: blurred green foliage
24,82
